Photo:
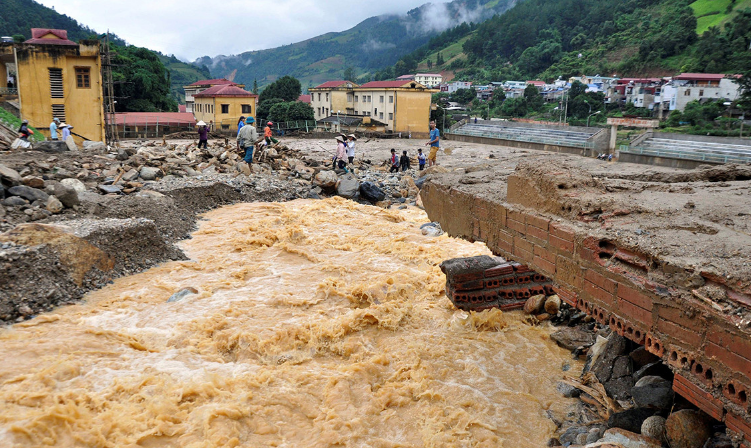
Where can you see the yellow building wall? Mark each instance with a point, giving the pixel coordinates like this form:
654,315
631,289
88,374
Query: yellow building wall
412,113
217,117
339,102
83,106
3,75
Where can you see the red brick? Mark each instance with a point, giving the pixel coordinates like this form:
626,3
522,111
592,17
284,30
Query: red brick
503,246
540,223
739,425
523,255
505,236
739,297
481,209
688,338
523,244
635,297
516,216
730,359
737,344
636,313
598,293
545,266
516,225
584,253
533,231
567,296
568,271
564,245
601,281
468,276
499,270
702,399
681,317
545,254
468,286
562,232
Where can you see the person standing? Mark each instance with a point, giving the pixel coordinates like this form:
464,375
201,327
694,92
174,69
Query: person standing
394,162
404,161
341,154
203,134
53,128
421,159
240,124
268,135
434,143
65,130
246,139
351,148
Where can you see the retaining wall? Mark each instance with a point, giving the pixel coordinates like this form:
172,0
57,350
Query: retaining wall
707,349
518,144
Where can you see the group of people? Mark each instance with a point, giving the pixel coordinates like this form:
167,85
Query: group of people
345,148
62,127
247,137
403,163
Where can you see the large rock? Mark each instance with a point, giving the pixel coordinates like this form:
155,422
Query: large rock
372,192
149,173
110,189
572,338
14,201
630,419
9,177
534,304
130,175
435,169
348,186
326,179
94,146
654,427
653,392
613,369
553,305
51,146
33,182
75,184
66,195
629,439
28,193
688,429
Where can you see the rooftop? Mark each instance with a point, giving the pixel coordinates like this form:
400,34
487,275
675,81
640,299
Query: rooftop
701,76
49,36
213,82
225,91
333,84
304,99
428,74
389,84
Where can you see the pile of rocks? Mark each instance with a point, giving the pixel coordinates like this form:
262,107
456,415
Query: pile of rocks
35,197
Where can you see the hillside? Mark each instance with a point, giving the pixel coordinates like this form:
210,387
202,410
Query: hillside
375,43
711,13
19,16
181,74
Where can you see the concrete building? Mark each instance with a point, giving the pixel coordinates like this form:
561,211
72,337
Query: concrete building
222,106
452,87
55,78
539,84
641,92
702,86
333,97
199,86
430,80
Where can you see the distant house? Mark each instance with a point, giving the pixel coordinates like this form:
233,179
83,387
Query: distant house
452,87
406,78
429,80
539,84
304,99
641,92
199,86
514,85
703,86
55,78
222,105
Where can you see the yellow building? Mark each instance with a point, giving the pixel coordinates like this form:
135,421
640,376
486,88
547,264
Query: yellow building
222,106
402,105
57,78
199,86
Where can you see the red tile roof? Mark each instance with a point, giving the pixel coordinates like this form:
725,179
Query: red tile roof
332,84
224,91
304,99
700,76
212,82
385,84
152,118
536,83
38,33
182,108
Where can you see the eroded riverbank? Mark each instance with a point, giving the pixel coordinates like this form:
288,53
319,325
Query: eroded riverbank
315,323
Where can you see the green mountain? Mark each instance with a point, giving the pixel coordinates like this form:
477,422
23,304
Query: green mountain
375,43
181,74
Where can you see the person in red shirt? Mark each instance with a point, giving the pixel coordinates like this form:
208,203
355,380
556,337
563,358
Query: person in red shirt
268,135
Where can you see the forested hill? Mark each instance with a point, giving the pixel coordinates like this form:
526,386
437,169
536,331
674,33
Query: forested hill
165,74
369,46
551,38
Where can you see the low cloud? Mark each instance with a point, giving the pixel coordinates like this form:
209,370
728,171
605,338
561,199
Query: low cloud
374,45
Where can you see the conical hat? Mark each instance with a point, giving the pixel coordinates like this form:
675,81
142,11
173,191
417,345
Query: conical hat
201,123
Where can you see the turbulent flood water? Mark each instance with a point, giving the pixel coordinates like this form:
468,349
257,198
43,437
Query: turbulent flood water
316,324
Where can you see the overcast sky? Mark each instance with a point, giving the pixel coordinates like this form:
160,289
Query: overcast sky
193,28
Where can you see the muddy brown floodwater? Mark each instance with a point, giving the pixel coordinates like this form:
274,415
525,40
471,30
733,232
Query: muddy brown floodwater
316,323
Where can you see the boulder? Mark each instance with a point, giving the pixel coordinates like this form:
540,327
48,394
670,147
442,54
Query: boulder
572,338
122,154
326,179
33,182
629,439
653,392
28,193
630,419
109,189
176,297
535,304
657,368
75,184
51,146
688,429
435,169
348,186
71,144
654,427
552,305
94,146
149,173
14,201
54,205
66,195
621,380
9,177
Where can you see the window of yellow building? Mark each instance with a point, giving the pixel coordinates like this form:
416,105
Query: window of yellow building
225,108
246,109
83,78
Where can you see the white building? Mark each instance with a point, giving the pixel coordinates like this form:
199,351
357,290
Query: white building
430,80
703,86
452,87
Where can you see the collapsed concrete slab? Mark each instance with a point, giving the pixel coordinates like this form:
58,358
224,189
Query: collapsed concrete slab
663,263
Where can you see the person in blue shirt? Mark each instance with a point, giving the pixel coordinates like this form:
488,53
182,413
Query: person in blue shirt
421,159
53,128
240,124
434,143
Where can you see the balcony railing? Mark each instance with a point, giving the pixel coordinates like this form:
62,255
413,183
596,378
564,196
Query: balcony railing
7,91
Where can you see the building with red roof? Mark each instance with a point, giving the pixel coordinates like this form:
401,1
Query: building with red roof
221,106
48,36
199,86
152,124
702,87
304,99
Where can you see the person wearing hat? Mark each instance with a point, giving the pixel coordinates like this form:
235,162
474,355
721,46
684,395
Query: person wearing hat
247,138
268,135
203,134
53,128
341,153
351,148
65,130
240,124
24,131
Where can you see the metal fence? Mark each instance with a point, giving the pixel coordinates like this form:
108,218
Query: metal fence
726,157
576,143
8,91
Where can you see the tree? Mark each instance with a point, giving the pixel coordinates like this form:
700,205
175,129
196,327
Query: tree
349,74
255,86
264,108
533,98
141,81
300,111
286,88
439,59
514,107
463,96
744,101
430,64
18,38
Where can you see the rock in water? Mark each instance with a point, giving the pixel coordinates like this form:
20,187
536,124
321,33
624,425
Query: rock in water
28,193
572,338
179,295
654,427
553,305
372,192
535,304
326,179
348,186
687,429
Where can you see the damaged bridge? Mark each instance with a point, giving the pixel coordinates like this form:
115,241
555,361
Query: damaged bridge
663,258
